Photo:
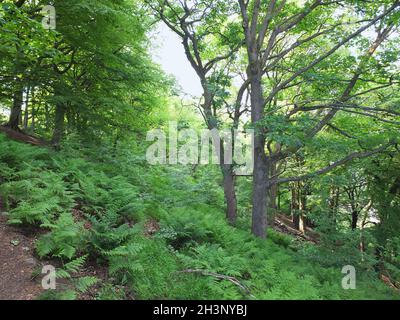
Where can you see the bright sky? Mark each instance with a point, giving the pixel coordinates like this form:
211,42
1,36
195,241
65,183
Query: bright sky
169,53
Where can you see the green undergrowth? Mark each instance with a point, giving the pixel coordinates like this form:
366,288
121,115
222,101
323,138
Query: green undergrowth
95,205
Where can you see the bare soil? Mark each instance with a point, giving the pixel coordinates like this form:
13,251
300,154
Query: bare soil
17,264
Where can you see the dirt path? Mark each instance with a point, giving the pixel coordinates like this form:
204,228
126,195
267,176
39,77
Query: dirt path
17,261
16,264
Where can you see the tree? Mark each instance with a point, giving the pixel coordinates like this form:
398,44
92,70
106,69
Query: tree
86,75
25,44
211,43
277,32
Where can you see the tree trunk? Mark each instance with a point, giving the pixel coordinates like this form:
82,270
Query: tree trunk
261,162
18,96
227,169
260,191
295,206
303,209
230,196
279,199
334,204
273,194
58,125
26,113
354,220
16,112
71,119
33,121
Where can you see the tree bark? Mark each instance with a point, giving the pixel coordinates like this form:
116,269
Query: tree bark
58,125
279,199
354,220
227,170
26,113
303,209
260,199
294,206
299,206
18,96
261,162
33,121
334,204
230,195
260,190
16,111
273,194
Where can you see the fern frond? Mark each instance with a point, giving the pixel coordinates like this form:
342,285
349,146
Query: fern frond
84,283
75,265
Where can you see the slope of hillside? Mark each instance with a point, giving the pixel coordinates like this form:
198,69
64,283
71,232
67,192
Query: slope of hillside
159,233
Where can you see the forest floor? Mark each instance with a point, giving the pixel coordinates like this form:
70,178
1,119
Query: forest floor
17,263
17,246
17,260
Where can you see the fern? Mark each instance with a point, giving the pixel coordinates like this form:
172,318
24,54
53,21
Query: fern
58,295
75,265
36,197
83,284
65,238
112,197
109,232
123,258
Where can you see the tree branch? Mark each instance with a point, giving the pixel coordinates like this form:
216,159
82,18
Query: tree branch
221,277
329,53
350,157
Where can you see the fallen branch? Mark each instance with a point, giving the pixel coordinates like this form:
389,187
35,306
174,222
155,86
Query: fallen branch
389,282
220,277
309,235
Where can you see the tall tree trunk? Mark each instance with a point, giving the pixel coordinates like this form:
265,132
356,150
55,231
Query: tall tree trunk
26,113
354,219
294,205
71,119
279,199
273,194
303,209
261,162
35,101
230,195
227,170
33,121
334,204
47,116
58,125
298,205
16,110
18,96
260,191
229,180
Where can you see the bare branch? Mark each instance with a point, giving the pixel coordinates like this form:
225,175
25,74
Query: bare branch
350,157
221,277
342,132
340,106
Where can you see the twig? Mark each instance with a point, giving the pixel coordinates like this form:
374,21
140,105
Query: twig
221,277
